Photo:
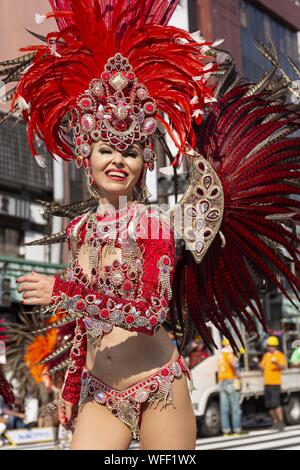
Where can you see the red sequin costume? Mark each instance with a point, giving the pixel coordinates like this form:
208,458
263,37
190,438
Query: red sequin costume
134,295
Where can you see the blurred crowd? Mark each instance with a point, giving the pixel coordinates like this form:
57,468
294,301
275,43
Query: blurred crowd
29,413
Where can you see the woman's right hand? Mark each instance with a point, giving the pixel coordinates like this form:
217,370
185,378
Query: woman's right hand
66,412
36,288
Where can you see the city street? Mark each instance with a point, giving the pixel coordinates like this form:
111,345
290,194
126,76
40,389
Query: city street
255,440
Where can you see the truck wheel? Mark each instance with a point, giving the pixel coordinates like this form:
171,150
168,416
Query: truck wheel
211,424
292,410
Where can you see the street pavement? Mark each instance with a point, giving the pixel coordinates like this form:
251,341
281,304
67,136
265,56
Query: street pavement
289,439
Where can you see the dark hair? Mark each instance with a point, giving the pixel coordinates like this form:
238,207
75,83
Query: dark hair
179,322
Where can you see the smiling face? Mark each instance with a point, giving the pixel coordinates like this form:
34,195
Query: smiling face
116,173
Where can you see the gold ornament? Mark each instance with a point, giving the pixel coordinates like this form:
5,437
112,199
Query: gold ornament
92,188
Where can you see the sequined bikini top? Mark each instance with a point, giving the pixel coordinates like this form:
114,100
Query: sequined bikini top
133,293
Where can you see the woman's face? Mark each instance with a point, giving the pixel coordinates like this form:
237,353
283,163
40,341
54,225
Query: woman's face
115,172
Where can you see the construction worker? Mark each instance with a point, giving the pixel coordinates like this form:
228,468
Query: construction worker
272,363
229,395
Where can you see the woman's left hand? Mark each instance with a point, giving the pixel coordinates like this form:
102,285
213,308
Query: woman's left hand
37,288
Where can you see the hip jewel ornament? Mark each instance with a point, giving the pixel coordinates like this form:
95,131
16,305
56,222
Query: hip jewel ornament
126,404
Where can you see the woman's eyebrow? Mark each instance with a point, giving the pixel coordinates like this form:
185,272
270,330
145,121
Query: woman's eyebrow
105,145
133,147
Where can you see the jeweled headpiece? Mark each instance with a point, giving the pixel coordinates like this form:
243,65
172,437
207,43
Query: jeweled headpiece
116,109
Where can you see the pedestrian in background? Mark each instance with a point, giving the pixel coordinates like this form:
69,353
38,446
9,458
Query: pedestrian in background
197,352
272,363
228,379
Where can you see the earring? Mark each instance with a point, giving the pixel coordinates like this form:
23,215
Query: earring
92,188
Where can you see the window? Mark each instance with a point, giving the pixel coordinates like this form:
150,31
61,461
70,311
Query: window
10,241
18,168
256,23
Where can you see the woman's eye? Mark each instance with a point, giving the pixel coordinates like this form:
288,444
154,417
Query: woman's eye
105,150
131,154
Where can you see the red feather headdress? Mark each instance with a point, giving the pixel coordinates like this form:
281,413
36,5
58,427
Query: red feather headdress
165,61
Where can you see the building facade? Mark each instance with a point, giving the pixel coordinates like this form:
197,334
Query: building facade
240,21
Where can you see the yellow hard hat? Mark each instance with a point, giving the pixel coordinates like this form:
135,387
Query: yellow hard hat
272,341
225,342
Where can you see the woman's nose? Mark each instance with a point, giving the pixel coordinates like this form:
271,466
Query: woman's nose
118,157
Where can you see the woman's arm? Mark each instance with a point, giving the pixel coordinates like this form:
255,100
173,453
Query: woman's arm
153,304
77,357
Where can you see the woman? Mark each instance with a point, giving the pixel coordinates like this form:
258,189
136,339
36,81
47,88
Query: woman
113,78
118,283
115,359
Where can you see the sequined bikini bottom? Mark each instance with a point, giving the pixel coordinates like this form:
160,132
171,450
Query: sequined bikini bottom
126,404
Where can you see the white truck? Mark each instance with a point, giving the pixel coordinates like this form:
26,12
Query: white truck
205,398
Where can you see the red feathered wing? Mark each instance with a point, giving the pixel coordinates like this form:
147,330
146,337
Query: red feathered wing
248,139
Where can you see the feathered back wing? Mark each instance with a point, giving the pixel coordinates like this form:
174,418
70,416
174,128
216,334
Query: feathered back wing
249,142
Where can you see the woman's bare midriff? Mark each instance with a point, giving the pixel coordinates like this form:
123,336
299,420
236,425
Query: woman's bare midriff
123,358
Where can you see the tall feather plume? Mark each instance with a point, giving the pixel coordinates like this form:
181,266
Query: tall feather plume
6,390
90,33
49,239
68,210
58,352
62,365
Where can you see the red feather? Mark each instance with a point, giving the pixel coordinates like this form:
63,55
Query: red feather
96,31
246,140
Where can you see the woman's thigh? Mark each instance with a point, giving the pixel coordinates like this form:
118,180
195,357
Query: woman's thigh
97,428
170,428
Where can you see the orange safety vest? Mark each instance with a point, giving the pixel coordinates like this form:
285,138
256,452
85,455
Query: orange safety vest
226,366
